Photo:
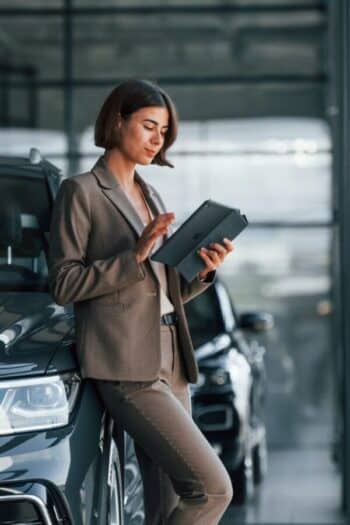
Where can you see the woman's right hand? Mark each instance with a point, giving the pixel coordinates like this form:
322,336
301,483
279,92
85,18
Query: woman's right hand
153,230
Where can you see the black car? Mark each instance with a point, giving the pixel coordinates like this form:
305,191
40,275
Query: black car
228,400
61,458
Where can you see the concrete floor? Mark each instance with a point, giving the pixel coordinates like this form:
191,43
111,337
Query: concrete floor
302,486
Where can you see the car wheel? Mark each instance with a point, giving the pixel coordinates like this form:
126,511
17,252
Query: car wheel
115,512
259,457
242,481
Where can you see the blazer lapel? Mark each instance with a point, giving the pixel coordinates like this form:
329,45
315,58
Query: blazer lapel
114,192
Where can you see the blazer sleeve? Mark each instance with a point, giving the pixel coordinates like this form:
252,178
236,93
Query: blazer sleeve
71,278
197,286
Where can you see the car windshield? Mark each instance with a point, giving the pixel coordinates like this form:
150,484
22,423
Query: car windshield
24,221
23,265
204,317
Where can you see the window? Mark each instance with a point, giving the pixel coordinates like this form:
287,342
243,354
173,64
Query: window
204,317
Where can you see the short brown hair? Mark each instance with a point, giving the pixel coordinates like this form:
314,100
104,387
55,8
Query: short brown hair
125,99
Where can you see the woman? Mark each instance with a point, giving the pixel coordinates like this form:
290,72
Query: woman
131,332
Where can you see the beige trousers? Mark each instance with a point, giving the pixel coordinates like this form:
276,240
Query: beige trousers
185,483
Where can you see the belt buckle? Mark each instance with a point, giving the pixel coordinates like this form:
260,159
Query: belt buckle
168,319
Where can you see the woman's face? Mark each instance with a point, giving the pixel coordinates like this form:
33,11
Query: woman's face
142,134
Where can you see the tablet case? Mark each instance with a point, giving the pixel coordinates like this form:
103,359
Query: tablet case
211,222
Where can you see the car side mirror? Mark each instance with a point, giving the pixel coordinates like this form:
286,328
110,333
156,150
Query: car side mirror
256,321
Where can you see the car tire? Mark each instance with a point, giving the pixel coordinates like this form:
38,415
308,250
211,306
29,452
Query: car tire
242,481
259,458
115,510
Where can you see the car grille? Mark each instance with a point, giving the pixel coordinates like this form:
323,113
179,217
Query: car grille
214,417
23,510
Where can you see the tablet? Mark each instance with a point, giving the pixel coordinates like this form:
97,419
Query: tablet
211,222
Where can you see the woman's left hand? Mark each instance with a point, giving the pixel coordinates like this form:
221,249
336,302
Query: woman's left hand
214,255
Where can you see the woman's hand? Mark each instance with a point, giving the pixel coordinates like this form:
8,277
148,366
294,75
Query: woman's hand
214,256
153,230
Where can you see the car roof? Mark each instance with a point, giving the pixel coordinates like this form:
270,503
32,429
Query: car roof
27,166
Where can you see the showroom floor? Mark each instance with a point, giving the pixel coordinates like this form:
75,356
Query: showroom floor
302,486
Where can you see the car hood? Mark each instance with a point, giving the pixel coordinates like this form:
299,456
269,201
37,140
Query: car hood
32,329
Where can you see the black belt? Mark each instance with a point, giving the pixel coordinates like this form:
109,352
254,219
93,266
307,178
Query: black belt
168,319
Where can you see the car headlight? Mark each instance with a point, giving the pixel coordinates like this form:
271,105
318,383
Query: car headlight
37,403
219,377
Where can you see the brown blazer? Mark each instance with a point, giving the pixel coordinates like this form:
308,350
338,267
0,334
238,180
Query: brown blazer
94,230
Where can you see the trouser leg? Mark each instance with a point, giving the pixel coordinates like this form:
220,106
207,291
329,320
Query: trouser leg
158,492
159,424
159,495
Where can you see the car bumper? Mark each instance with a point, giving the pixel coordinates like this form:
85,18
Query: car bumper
21,504
223,425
